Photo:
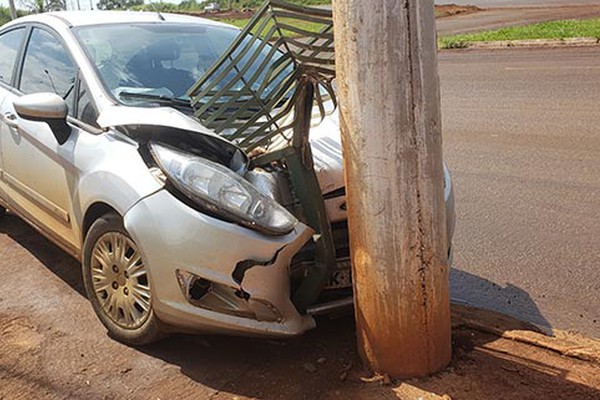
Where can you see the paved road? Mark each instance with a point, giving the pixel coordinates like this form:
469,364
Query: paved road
522,136
497,14
495,18
517,3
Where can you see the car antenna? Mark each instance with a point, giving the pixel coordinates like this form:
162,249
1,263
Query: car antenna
160,16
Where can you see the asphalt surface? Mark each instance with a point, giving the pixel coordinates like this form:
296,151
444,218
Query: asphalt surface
518,3
496,14
522,137
495,18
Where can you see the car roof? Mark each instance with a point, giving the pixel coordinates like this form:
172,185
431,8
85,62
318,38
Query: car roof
97,17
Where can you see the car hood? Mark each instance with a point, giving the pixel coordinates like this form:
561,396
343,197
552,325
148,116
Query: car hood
324,138
116,115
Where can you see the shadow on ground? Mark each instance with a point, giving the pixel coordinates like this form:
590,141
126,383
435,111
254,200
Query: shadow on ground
469,289
57,261
323,363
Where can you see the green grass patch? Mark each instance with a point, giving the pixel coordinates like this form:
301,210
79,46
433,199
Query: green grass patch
305,25
240,23
545,30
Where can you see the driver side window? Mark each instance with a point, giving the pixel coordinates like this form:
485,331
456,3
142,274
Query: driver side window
47,67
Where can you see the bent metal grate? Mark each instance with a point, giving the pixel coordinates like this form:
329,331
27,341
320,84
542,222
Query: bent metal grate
249,95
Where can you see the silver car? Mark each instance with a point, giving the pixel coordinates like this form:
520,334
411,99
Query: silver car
101,153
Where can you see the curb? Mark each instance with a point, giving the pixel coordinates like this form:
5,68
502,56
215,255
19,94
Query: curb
562,342
531,43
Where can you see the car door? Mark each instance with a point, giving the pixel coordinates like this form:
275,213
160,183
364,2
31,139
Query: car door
10,45
39,175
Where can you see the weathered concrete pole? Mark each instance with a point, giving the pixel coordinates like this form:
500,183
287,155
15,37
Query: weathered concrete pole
388,87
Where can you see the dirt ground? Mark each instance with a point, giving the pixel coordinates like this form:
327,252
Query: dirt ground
445,10
449,10
53,347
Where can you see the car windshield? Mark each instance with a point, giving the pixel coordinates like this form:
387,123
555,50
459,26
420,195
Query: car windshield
156,62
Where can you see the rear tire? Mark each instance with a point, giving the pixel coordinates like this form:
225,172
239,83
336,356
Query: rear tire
117,283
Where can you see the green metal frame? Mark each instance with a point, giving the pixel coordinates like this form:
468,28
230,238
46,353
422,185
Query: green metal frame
262,93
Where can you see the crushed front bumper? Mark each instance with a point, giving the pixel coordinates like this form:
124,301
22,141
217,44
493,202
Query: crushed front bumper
174,237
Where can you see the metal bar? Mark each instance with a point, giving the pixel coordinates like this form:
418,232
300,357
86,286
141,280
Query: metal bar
307,189
304,32
300,9
255,19
302,16
326,308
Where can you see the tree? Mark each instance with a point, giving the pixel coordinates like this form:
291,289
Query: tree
41,6
118,4
5,15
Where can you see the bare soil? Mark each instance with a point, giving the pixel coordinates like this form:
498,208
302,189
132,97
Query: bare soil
226,14
449,10
441,11
53,347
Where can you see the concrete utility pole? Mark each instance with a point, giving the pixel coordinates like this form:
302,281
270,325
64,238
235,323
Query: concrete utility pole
13,10
388,87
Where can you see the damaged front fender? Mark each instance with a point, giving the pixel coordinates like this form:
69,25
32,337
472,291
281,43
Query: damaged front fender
210,248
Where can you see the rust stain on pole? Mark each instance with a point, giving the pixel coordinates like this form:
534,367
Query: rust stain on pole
388,88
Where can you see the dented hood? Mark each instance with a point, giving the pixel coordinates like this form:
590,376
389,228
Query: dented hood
325,138
159,116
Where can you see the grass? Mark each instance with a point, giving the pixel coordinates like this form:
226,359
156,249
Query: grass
545,30
309,26
306,25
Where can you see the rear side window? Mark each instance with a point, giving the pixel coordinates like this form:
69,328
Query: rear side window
9,47
47,67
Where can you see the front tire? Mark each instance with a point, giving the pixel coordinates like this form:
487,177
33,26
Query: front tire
117,283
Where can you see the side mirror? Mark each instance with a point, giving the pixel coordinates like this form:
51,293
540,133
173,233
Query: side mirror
46,107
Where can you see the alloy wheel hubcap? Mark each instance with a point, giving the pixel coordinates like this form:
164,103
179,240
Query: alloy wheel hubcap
120,280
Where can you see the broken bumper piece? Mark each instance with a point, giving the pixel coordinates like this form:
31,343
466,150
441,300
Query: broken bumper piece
208,275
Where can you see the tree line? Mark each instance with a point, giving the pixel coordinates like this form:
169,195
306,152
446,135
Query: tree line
40,6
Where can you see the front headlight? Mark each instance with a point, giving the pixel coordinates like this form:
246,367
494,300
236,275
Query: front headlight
221,191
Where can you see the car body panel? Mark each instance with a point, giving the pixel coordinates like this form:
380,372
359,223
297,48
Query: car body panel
38,174
194,242
112,173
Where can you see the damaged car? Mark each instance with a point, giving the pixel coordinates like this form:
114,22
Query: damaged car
116,146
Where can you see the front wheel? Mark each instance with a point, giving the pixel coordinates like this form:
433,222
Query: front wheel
117,283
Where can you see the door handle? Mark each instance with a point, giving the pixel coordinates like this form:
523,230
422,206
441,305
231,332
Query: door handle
10,119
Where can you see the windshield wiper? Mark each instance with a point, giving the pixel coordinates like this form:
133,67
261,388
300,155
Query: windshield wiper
160,98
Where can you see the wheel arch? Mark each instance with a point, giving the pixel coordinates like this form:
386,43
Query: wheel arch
93,212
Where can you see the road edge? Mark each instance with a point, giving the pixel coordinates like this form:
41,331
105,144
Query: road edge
566,343
530,43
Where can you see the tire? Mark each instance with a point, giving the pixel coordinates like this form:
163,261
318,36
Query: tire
117,283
